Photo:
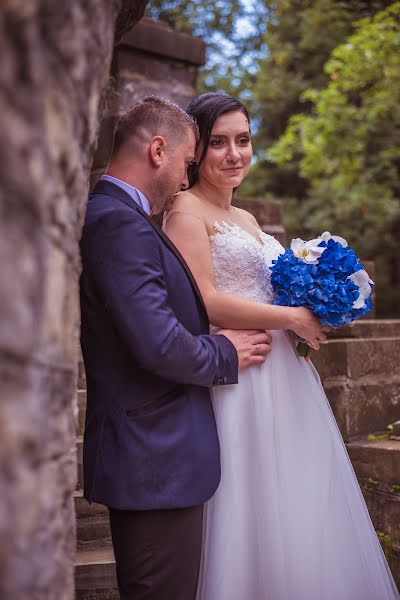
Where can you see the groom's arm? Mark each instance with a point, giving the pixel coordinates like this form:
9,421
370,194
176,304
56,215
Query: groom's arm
121,254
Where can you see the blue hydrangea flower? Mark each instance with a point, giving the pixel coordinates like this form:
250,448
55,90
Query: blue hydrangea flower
331,281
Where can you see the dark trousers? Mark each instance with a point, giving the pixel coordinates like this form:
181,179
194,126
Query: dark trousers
157,552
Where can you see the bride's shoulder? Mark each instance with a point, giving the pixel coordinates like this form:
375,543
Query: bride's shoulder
187,201
186,209
187,204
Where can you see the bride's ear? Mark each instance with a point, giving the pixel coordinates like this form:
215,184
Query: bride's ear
157,150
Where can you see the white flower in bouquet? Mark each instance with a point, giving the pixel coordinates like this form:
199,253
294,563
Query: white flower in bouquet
309,251
326,236
363,282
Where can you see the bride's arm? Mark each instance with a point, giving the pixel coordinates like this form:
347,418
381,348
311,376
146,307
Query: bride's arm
226,310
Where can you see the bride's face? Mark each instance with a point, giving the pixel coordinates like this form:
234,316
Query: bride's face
229,151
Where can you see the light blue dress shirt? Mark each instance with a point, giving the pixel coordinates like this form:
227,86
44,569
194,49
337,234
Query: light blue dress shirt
134,193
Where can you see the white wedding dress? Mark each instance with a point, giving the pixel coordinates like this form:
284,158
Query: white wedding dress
288,521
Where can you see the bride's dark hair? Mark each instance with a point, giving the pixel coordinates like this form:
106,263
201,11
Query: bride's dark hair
205,109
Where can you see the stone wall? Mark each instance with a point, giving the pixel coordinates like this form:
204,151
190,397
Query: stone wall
55,64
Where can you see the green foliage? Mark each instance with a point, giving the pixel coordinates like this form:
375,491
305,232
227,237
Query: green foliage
374,438
300,36
373,482
348,147
386,541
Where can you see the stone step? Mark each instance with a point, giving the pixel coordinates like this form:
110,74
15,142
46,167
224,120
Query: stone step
367,328
85,509
361,378
95,577
359,358
378,460
361,408
377,466
92,523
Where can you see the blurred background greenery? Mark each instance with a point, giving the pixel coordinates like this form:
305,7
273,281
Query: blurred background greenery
321,79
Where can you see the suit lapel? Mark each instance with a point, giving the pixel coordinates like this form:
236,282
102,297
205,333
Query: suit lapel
109,189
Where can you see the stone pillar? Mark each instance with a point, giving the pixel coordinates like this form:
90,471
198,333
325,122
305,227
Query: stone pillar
151,59
55,64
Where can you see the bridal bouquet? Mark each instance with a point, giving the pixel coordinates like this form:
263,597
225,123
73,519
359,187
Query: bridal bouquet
325,276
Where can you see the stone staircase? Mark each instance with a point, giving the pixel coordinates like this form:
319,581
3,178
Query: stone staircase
95,565
360,370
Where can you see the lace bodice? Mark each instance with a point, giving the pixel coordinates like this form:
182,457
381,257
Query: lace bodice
241,262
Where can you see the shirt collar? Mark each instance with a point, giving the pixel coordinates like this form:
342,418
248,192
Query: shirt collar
134,193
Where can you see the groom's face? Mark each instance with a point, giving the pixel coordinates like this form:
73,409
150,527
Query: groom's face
173,177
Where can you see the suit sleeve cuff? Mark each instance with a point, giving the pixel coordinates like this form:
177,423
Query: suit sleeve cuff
229,371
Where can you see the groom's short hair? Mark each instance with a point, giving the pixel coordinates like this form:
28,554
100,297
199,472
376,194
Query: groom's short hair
150,117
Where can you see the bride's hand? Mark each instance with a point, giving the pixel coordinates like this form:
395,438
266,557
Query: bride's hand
306,326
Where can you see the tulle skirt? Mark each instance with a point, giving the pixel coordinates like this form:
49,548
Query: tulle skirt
288,521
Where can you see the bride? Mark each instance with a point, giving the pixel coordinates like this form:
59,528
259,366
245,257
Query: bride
288,521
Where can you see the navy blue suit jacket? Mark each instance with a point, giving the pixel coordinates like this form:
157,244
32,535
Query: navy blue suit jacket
150,437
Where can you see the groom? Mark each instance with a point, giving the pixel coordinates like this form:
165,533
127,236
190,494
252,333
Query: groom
150,447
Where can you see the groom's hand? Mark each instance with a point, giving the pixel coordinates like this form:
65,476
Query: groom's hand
251,346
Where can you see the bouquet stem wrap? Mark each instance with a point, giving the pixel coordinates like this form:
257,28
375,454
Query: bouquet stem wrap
303,349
